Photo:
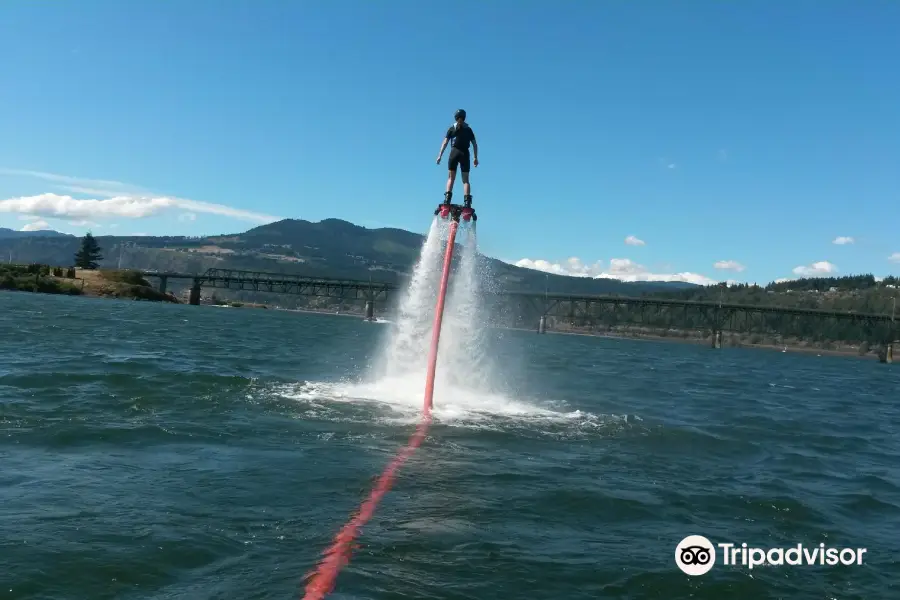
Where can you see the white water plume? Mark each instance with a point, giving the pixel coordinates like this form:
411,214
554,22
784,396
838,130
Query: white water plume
463,359
469,386
464,368
407,348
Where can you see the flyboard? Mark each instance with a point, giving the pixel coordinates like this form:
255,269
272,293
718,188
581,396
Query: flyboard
321,581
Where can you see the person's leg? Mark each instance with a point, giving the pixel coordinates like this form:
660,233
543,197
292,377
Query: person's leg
452,165
451,177
467,188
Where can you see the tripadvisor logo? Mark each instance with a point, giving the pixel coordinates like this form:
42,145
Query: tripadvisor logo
696,555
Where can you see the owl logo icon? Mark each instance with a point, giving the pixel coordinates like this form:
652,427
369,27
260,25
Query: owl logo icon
695,555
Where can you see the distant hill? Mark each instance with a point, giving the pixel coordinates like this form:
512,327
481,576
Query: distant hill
329,248
11,233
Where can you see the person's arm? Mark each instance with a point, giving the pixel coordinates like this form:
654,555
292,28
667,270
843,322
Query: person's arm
475,148
444,144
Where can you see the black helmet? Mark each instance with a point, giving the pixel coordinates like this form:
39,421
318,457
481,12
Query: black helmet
460,114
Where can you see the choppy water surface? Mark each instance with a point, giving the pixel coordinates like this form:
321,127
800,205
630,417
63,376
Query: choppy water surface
154,451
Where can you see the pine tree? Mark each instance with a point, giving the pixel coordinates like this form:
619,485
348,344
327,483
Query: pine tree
89,254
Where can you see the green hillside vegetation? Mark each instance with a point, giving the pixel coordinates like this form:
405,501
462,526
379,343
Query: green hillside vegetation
337,249
331,248
57,280
35,278
118,283
855,293
860,293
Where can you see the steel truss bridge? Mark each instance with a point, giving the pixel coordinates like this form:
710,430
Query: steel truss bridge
277,283
540,310
660,313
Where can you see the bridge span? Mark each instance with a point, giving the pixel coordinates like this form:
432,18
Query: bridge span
519,308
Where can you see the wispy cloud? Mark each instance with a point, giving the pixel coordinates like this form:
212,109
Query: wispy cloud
842,240
729,265
38,225
67,181
667,164
633,241
623,269
723,154
573,267
817,269
895,257
111,199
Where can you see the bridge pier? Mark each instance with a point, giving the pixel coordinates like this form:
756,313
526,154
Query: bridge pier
887,354
163,282
194,298
370,310
716,340
542,324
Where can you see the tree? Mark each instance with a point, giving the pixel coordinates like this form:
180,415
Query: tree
89,254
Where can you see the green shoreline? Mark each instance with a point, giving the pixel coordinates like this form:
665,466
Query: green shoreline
123,284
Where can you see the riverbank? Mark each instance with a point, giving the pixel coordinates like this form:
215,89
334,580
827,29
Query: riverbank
105,283
793,346
730,340
124,284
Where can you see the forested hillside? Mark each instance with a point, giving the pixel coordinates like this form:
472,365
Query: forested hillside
331,248
860,293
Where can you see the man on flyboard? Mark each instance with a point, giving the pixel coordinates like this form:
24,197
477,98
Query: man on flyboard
458,136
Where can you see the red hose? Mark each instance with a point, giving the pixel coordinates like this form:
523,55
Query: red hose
321,581
438,319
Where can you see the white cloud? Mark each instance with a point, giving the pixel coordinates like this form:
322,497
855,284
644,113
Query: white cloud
633,241
573,267
68,181
823,267
36,226
188,216
133,207
111,199
622,269
729,265
783,280
842,240
895,257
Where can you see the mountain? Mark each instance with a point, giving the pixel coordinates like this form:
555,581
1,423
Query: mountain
12,233
329,248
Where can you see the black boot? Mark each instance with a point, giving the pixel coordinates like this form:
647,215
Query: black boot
467,201
447,197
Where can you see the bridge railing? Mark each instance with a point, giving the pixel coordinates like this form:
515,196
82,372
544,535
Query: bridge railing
651,301
270,277
302,282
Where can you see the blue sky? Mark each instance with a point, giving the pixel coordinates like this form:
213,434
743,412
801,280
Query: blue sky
756,133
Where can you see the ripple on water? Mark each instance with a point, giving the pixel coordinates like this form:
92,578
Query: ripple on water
180,452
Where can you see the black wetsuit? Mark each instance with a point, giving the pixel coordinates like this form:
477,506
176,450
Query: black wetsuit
460,138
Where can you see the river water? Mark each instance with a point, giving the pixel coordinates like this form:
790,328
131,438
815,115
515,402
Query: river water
170,451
